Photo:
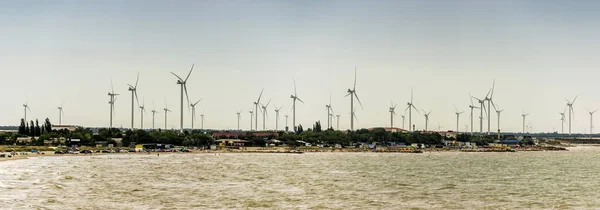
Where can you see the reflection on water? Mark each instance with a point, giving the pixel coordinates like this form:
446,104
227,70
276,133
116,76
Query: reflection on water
316,181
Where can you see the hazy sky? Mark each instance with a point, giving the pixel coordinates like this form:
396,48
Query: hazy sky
539,52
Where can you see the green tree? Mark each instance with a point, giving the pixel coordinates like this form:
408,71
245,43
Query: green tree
317,126
47,126
31,129
38,130
22,127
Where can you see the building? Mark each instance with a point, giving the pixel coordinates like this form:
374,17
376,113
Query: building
391,129
70,128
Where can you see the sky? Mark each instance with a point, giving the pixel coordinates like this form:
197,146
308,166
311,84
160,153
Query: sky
537,52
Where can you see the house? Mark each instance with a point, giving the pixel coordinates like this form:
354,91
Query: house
232,143
447,134
391,129
70,128
305,143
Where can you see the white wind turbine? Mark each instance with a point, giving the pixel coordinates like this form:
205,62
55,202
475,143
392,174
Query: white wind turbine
562,121
167,110
338,121
524,115
251,116
113,98
182,83
202,120
277,117
426,114
570,105
352,94
392,111
472,107
457,117
294,98
329,113
193,105
489,100
286,121
60,113
591,120
256,103
264,112
153,113
498,113
409,108
238,118
26,107
481,108
142,111
133,90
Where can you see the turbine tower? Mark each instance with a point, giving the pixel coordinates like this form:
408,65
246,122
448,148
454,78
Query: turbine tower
277,117
142,111
338,121
133,90
329,113
524,115
238,118
286,121
457,117
153,113
489,100
472,107
482,107
265,115
498,113
426,118
251,116
591,120
202,120
352,94
60,113
570,105
256,103
166,111
392,113
402,121
294,98
113,98
182,83
409,108
26,107
193,105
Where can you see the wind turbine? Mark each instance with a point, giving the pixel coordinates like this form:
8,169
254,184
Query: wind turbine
498,113
193,105
294,98
60,113
277,117
256,103
392,113
562,120
524,115
202,120
402,121
251,116
457,117
182,83
472,107
265,115
329,113
166,111
481,108
426,118
238,118
113,98
153,113
133,90
591,120
352,94
489,100
409,108
338,122
286,121
570,105
142,111
26,107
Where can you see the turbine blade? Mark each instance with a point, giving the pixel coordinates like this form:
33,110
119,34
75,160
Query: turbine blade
574,99
300,100
259,96
471,97
136,97
354,79
188,76
137,80
111,86
455,108
295,93
177,76
186,94
493,87
358,99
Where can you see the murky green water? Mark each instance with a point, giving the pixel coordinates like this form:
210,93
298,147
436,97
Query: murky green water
526,180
